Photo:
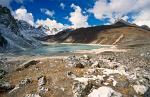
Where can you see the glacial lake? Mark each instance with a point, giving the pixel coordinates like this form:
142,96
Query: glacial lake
55,49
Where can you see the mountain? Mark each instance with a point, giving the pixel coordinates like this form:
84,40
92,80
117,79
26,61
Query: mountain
49,31
30,30
145,27
120,33
17,35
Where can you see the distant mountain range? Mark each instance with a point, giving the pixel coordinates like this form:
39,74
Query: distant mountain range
118,33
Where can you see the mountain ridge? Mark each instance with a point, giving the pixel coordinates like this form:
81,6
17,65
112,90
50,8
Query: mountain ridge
118,33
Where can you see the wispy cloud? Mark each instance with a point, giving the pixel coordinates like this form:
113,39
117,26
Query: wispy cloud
47,12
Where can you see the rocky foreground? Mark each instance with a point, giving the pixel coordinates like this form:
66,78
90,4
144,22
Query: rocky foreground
107,74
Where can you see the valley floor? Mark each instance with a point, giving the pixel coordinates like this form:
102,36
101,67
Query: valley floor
113,72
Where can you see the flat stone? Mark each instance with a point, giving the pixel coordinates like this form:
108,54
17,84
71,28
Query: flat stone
27,64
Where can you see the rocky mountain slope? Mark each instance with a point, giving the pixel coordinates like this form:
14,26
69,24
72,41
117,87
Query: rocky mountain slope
16,35
120,32
29,30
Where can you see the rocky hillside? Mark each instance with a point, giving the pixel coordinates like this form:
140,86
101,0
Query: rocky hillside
107,74
16,35
120,32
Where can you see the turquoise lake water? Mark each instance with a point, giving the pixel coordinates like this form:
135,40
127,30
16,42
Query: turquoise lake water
52,49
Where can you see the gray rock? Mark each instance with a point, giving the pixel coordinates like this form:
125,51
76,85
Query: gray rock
79,62
86,57
1,62
2,73
147,93
25,81
79,65
102,64
42,90
81,89
76,63
41,80
5,86
71,58
86,63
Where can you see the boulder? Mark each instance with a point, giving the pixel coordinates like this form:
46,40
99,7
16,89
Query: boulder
41,80
104,92
81,89
27,64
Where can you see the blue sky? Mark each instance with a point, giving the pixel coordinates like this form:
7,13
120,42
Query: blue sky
35,6
79,13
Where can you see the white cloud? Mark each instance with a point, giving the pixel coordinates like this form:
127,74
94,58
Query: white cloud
22,14
62,5
117,8
49,23
47,12
143,18
77,18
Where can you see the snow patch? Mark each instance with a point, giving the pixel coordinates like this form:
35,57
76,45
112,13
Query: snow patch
104,92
